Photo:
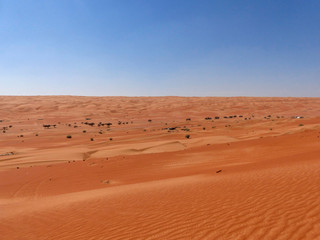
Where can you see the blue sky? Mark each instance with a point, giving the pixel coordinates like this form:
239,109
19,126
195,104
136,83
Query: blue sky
160,47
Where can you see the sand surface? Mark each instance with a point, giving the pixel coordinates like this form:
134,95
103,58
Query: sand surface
254,173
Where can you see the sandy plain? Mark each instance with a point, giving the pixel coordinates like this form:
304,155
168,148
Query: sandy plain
251,174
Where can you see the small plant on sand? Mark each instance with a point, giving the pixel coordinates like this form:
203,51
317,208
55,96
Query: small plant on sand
110,139
69,136
187,136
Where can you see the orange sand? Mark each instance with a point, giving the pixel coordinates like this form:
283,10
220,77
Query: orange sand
149,182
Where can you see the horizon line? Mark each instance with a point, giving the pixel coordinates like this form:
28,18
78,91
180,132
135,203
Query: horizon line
145,96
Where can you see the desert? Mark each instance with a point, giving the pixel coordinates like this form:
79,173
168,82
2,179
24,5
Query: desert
75,167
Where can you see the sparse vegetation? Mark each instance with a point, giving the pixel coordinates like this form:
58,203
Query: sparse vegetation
187,136
69,136
300,125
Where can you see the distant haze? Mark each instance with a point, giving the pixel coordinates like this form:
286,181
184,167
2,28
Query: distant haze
160,47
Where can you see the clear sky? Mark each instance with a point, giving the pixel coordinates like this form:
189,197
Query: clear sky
160,47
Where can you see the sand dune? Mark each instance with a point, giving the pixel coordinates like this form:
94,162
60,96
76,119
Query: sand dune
249,177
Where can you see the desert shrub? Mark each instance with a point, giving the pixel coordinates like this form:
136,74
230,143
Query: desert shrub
187,136
69,136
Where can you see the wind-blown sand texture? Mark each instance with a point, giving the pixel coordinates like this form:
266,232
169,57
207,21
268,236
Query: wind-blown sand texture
250,177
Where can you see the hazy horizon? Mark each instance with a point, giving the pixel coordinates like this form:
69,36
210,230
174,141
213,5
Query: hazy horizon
182,96
160,48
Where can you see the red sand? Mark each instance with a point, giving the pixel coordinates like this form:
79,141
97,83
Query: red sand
152,183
